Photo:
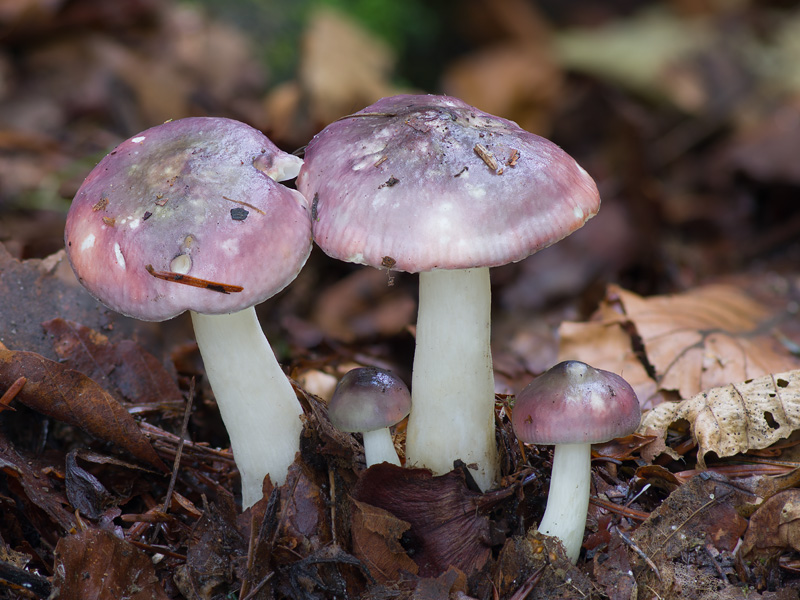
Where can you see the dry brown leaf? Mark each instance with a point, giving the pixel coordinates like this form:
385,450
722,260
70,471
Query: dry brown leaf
69,396
706,337
447,526
376,541
342,67
737,417
774,527
97,564
123,368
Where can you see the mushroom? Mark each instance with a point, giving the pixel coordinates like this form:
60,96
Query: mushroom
369,400
573,406
188,216
428,184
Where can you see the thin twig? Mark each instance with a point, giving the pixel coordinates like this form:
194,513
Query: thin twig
261,584
176,463
625,511
632,545
679,527
530,583
332,483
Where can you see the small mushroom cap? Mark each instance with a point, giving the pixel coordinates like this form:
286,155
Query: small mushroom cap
369,398
193,197
422,182
573,403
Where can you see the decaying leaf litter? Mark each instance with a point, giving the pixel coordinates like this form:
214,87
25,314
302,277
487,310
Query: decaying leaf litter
686,284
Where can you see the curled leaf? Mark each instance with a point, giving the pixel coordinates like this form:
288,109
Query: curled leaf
737,417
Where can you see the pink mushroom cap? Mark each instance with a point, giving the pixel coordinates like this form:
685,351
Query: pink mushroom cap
422,182
193,197
574,403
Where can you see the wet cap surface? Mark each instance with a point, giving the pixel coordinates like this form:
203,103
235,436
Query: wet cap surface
573,403
191,197
369,398
429,182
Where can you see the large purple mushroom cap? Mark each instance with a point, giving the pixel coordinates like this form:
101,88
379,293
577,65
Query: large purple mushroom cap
574,403
422,182
195,197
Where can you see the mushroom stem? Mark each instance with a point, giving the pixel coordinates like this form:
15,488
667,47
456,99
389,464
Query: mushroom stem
256,400
379,447
568,498
452,387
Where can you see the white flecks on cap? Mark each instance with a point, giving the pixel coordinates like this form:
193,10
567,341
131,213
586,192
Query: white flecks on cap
87,242
578,212
181,264
230,246
476,191
120,257
138,139
134,223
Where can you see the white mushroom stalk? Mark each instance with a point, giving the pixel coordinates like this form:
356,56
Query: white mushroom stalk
379,447
568,498
452,384
246,378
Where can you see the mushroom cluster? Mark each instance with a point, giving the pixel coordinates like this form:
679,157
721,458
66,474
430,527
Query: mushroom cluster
572,406
188,216
431,185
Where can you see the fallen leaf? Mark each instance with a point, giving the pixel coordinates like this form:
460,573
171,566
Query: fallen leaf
450,584
304,526
97,564
36,290
736,417
213,551
69,396
23,477
706,337
689,342
122,367
540,557
363,305
638,53
376,535
774,527
699,515
84,491
447,528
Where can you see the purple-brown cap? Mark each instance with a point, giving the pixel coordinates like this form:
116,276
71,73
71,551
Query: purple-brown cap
573,403
422,182
369,398
193,201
